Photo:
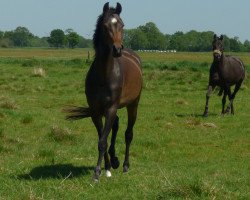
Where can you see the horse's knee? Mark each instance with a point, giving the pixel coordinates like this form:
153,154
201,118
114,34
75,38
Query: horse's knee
129,136
232,97
223,100
102,146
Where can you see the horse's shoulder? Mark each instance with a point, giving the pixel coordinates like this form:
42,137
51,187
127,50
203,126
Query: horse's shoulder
130,51
130,54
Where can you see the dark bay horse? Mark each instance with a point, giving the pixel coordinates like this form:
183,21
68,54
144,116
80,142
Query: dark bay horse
225,72
114,80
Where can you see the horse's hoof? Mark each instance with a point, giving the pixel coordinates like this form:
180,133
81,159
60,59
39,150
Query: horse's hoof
125,168
205,115
97,173
96,178
114,163
108,173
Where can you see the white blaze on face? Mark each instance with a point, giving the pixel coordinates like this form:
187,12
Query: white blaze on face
114,20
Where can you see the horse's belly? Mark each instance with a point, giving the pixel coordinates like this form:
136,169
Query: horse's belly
131,91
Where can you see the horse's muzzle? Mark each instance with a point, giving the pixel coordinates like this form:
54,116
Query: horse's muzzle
117,50
217,54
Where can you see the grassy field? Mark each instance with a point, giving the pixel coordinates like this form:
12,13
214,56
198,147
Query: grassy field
175,154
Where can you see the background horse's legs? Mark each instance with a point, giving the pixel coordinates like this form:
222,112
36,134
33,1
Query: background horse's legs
132,114
224,98
209,92
110,116
113,159
231,97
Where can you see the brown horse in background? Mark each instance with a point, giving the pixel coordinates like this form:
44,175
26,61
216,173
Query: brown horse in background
225,72
114,80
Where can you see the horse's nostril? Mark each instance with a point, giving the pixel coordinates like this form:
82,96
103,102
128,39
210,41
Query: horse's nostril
117,51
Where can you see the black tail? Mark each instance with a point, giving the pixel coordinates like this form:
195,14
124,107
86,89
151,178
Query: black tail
75,113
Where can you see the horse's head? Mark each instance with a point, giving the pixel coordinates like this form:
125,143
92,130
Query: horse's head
217,47
113,27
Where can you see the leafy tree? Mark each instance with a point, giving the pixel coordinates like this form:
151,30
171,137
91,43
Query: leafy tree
6,43
20,36
176,41
84,43
234,44
205,43
57,38
1,35
72,38
168,37
39,42
156,39
247,45
135,39
226,43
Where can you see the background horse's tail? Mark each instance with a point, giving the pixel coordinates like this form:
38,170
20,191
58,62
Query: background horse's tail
75,113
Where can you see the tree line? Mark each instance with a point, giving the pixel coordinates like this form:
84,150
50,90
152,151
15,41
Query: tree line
149,37
144,37
22,37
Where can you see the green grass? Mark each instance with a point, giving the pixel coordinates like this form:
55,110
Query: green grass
175,154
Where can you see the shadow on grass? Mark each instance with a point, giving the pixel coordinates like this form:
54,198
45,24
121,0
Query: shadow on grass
193,115
59,171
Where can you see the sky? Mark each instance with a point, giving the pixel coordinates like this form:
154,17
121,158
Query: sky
230,17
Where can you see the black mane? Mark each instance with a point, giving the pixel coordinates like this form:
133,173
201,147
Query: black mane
99,26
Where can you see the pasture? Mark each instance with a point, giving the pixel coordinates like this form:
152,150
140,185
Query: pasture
175,153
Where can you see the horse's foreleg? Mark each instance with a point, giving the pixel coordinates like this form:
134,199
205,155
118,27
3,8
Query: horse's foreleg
110,116
97,120
209,92
132,114
113,159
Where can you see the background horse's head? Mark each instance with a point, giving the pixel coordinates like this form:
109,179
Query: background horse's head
217,47
113,28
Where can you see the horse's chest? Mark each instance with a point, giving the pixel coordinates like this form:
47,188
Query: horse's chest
215,77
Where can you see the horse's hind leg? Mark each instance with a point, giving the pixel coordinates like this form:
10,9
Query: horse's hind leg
132,114
209,92
113,159
231,97
224,102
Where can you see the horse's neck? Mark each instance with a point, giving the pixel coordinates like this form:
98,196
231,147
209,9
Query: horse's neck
220,64
104,64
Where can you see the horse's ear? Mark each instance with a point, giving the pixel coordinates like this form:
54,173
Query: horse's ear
215,36
106,7
118,8
221,37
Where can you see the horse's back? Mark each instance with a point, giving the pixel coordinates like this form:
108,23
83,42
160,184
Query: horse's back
234,69
132,76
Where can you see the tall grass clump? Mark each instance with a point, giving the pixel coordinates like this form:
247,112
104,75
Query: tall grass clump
59,134
8,104
188,189
39,72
